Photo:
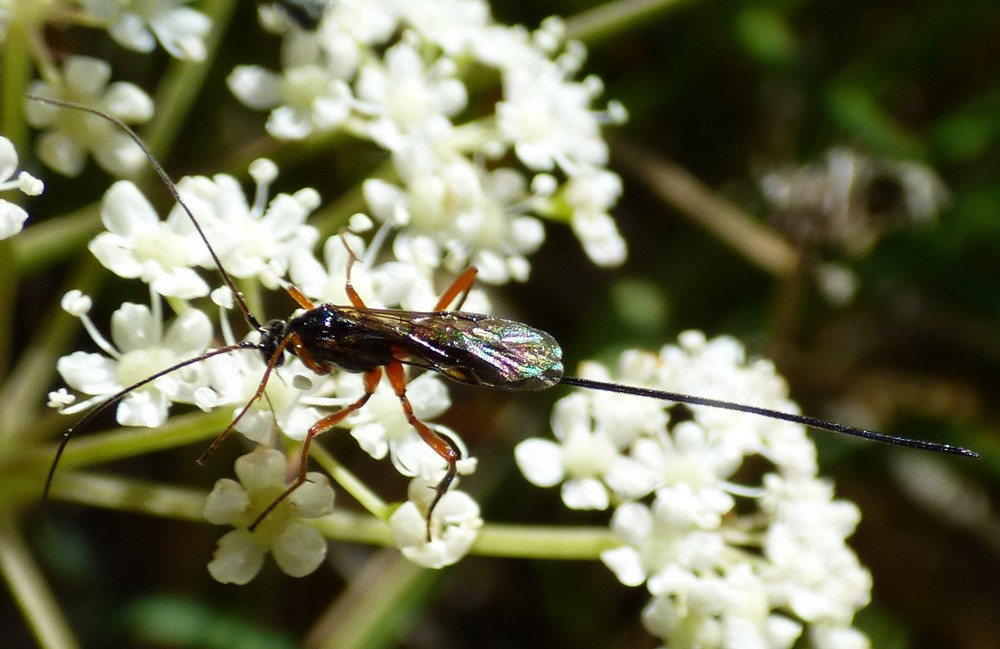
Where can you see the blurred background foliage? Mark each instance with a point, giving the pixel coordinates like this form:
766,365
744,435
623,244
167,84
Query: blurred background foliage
720,93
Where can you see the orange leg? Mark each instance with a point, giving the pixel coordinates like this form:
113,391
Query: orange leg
326,423
440,445
271,364
300,297
352,295
459,288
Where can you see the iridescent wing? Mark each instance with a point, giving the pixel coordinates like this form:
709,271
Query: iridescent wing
469,347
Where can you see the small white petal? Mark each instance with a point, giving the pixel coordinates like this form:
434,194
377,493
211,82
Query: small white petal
87,75
12,219
299,550
226,503
61,153
255,87
238,558
626,564
585,493
314,498
541,461
128,102
261,468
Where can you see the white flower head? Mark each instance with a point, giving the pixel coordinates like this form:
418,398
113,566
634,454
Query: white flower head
297,548
256,239
400,94
459,214
296,397
71,134
548,119
590,194
452,25
138,245
580,461
138,25
139,348
454,525
12,217
388,72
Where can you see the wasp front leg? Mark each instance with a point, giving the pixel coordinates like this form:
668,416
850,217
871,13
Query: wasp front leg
371,379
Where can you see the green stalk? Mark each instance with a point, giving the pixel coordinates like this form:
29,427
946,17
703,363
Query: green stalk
350,483
614,18
23,478
183,82
30,591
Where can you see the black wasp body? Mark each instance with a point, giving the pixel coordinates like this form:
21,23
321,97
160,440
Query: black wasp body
469,348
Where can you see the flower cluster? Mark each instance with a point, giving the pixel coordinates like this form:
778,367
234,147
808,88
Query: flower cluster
471,188
729,560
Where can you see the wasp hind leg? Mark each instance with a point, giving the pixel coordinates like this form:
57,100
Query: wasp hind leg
443,446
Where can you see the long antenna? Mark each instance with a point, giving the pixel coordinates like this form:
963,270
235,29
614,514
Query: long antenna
811,422
171,186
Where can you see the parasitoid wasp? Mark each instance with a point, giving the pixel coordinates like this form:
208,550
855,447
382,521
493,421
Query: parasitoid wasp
469,348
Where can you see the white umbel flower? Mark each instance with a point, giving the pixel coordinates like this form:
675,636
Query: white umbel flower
251,239
140,348
454,525
729,565
138,25
138,245
297,548
71,134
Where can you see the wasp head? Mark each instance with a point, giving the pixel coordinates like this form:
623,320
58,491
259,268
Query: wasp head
271,335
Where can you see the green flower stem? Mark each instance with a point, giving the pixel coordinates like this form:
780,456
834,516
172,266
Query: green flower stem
15,70
350,483
380,602
544,542
49,242
613,18
183,81
124,494
250,289
30,591
352,527
27,476
496,540
169,501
